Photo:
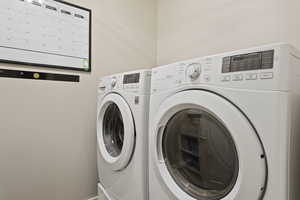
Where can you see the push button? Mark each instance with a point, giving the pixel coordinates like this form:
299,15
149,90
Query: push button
266,75
251,76
226,78
237,77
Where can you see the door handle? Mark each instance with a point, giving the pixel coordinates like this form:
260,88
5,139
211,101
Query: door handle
159,147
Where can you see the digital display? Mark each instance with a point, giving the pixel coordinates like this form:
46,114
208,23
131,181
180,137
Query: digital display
251,61
131,78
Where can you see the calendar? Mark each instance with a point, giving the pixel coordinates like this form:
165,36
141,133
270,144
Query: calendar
49,33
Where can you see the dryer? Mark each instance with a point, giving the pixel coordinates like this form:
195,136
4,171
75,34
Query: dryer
226,127
122,133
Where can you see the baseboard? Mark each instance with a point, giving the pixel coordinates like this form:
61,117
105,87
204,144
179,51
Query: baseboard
93,198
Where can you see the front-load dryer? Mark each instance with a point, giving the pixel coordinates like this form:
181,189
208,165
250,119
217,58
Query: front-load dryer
226,127
122,133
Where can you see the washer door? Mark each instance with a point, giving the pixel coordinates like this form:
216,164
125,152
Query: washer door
206,149
115,131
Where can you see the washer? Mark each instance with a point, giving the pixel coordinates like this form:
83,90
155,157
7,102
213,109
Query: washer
226,127
122,132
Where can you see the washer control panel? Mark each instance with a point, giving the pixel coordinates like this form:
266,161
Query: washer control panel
133,82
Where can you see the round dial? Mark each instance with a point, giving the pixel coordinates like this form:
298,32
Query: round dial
194,70
113,82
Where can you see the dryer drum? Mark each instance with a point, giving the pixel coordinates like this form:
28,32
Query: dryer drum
200,154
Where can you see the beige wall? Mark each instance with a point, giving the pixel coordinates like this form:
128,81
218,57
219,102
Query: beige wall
195,28
47,129
293,23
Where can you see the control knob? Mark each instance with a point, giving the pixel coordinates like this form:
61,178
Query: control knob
194,70
113,82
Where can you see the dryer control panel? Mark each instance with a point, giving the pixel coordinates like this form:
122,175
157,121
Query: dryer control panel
261,68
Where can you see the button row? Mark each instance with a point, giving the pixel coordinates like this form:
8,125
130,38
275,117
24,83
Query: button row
249,76
131,86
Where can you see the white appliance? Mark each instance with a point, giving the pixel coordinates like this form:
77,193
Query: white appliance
122,132
226,127
102,195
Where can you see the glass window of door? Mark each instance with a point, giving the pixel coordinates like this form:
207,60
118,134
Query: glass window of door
113,130
200,154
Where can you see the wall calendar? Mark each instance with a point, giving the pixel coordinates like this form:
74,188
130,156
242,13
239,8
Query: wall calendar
48,33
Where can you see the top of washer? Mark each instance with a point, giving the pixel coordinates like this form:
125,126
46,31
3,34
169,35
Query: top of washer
270,67
137,82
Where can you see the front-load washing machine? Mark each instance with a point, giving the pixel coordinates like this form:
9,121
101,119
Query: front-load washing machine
226,127
122,133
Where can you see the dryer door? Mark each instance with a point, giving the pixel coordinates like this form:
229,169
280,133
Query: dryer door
115,131
206,149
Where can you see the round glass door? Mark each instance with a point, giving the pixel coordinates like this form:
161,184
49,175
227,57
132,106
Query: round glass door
202,147
200,154
113,130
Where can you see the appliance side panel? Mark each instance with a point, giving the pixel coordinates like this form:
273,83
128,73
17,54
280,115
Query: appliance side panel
143,140
294,161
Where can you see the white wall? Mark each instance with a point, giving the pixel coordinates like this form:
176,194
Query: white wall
47,129
195,28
